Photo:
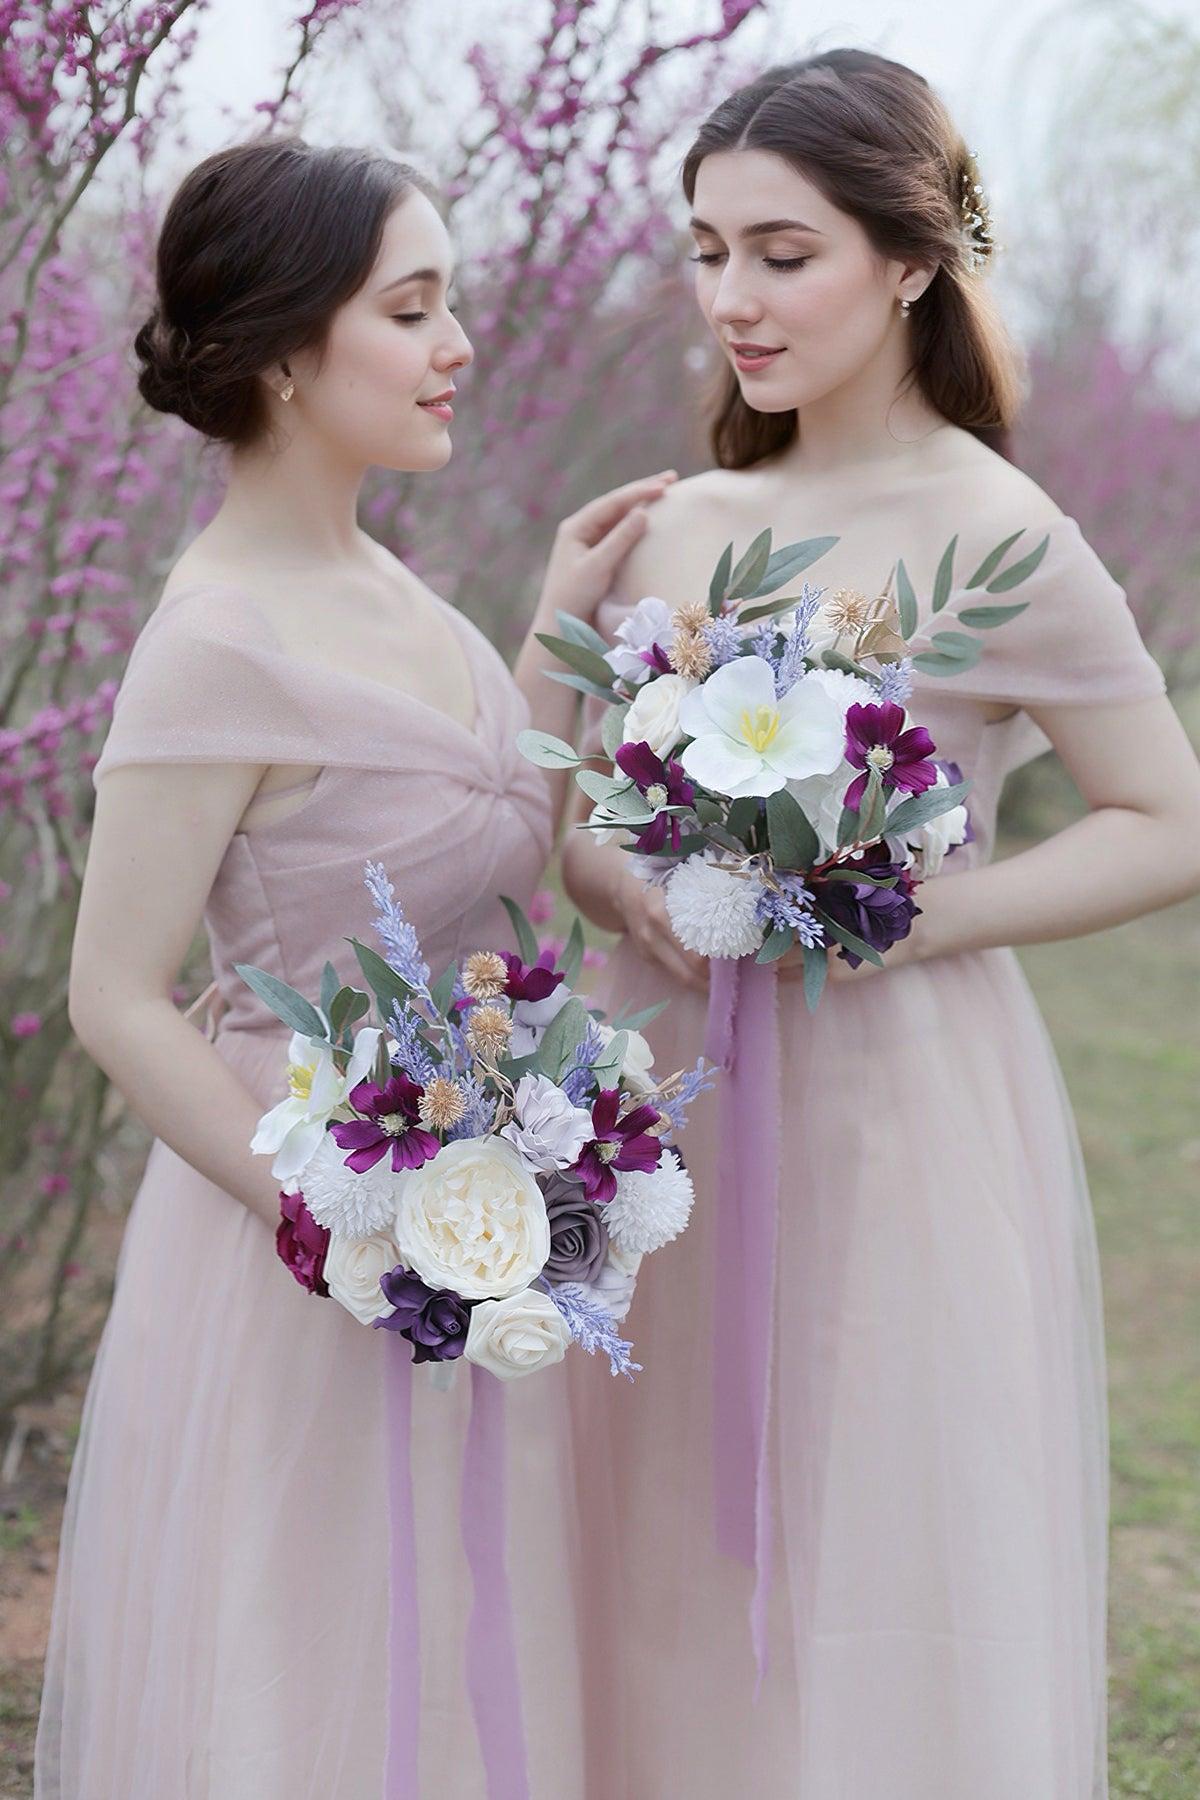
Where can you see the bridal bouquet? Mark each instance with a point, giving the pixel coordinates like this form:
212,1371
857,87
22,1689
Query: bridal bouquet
483,1169
760,760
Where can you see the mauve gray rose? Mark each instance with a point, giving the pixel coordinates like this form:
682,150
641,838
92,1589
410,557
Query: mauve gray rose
578,1234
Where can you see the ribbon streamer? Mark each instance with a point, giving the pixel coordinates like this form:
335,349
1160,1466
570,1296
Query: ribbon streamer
742,1037
493,1676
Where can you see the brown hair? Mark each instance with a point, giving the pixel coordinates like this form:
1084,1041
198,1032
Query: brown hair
879,144
260,246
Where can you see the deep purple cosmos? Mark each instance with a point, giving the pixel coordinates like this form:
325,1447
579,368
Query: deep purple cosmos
881,729
301,1243
656,658
662,784
879,916
531,981
434,1322
390,1121
618,1144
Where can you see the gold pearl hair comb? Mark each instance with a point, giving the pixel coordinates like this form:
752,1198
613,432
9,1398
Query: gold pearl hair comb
976,217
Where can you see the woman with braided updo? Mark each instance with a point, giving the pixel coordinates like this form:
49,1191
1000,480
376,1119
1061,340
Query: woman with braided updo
930,1437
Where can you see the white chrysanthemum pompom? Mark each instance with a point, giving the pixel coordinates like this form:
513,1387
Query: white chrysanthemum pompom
347,1204
650,1206
712,910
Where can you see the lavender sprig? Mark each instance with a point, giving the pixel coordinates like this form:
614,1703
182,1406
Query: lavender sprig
399,939
694,1083
895,681
591,1324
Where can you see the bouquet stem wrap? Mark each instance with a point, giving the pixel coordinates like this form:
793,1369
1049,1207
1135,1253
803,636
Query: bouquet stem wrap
742,1037
493,1679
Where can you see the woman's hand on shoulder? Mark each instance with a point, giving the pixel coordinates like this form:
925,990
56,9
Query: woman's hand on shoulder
591,544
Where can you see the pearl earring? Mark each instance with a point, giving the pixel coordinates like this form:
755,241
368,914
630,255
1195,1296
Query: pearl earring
285,393
904,306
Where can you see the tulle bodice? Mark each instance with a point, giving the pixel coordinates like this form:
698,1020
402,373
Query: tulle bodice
455,814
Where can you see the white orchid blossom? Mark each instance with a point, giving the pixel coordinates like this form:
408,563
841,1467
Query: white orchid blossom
292,1131
745,740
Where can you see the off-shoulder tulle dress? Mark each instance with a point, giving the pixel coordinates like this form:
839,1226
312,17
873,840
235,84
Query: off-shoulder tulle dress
939,1472
220,1620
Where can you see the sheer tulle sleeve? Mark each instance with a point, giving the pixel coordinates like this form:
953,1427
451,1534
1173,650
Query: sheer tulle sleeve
207,682
1076,641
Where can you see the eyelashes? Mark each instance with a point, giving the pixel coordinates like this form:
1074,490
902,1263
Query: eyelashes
709,257
418,318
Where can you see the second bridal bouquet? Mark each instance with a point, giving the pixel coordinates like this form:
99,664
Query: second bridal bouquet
760,760
483,1169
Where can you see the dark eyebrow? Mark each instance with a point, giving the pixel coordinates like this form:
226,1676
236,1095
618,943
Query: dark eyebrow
767,228
417,275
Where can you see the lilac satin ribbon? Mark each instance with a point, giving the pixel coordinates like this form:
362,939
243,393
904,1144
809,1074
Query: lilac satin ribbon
493,1678
742,1037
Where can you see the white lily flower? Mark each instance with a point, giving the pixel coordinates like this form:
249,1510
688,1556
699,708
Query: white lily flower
747,741
292,1131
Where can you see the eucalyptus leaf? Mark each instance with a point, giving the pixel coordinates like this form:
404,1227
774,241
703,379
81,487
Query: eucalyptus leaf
848,824
585,662
572,956
872,807
284,1001
848,938
582,685
792,839
943,580
578,631
743,815
607,1068
816,968
561,1038
770,609
612,730
513,1067
720,581
919,808
907,601
707,811
860,875
526,937
547,751
791,560
382,979
930,663
777,944
833,659
986,618
442,991
346,1008
993,559
751,568
636,1020
329,987
1017,572
602,788
959,644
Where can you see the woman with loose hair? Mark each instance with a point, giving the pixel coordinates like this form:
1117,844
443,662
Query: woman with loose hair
298,703
916,1566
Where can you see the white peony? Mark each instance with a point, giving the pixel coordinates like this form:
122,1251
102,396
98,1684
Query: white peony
650,1206
637,1070
647,625
293,1130
473,1220
654,713
614,1286
353,1267
748,741
517,1335
347,1204
712,910
926,846
547,1129
531,1017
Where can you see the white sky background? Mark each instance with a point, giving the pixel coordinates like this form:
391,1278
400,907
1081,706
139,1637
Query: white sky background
1002,66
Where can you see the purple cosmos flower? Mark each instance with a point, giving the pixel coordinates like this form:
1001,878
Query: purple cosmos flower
531,981
662,784
389,1121
301,1243
434,1321
879,916
656,658
618,1144
876,738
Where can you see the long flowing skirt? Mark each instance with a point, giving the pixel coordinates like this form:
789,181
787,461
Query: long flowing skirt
936,1619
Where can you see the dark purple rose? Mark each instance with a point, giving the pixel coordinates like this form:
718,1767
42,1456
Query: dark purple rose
660,783
879,916
434,1321
618,1144
578,1234
531,981
301,1243
389,1122
876,738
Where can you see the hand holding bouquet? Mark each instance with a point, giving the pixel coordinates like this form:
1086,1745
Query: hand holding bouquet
482,1170
760,761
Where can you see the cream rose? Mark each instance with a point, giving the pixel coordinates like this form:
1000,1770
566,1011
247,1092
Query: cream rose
473,1220
653,716
517,1335
637,1070
353,1268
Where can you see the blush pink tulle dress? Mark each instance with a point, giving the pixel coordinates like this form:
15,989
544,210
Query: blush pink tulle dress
220,1620
936,1620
